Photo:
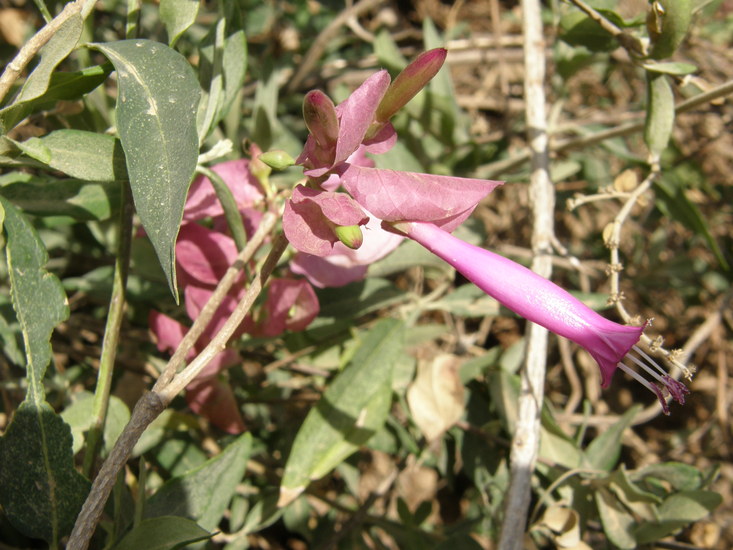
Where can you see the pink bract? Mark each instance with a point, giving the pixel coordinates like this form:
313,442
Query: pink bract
202,201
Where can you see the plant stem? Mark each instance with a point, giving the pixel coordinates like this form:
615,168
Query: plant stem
111,331
526,439
218,343
133,17
15,67
153,403
207,312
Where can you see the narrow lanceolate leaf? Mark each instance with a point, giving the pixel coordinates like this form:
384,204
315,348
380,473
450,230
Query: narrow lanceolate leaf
156,119
39,299
659,114
177,16
61,86
163,533
603,452
352,409
40,491
79,154
55,51
79,200
203,494
668,26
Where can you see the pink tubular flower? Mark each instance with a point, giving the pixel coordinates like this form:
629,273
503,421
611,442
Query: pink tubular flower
543,302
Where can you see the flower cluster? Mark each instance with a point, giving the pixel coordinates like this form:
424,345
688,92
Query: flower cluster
344,193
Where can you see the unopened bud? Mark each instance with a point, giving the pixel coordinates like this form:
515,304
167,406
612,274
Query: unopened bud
410,81
350,235
320,117
279,160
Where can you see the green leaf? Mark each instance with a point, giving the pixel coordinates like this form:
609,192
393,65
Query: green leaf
357,299
156,119
79,417
675,68
388,53
659,113
603,452
673,202
40,491
681,477
617,522
677,511
351,410
467,301
632,491
577,29
177,16
38,297
64,86
163,533
222,70
203,494
669,27
79,154
80,200
61,44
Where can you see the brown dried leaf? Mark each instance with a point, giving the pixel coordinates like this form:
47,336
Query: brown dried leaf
436,396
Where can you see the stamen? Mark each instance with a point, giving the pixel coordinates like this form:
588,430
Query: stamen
676,389
638,350
648,385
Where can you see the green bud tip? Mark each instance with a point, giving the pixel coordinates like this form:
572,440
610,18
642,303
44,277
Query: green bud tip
350,235
279,160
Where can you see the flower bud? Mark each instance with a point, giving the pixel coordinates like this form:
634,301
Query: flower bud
279,160
350,235
320,117
409,82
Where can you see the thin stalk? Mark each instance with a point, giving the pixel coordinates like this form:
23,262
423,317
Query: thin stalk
526,439
229,204
41,5
205,315
111,331
30,49
153,403
218,343
133,18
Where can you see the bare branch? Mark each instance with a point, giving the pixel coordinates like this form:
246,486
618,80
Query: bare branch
525,443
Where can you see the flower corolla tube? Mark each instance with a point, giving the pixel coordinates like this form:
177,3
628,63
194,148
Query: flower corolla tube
543,302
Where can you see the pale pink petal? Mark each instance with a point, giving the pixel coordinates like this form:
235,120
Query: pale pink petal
408,196
167,331
310,215
203,255
291,305
202,201
345,265
214,400
382,142
356,114
328,271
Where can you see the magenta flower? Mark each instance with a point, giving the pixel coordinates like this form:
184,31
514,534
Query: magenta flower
543,302
333,157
